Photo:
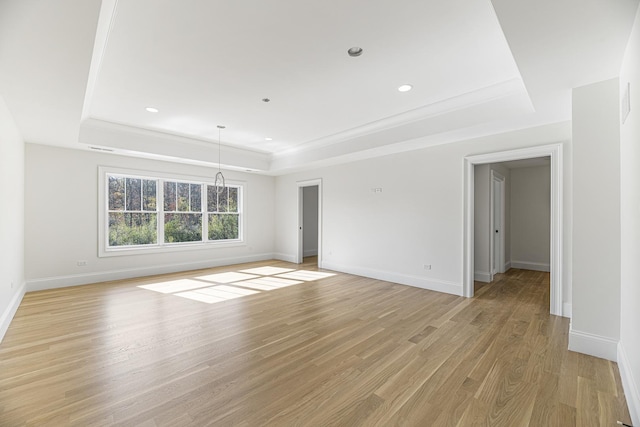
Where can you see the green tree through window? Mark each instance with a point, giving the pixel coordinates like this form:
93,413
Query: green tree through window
132,211
224,217
184,222
190,212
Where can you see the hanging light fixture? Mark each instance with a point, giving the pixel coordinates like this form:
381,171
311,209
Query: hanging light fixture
219,182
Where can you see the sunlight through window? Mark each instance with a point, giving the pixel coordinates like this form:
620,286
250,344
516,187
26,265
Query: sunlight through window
267,283
175,286
235,284
267,271
228,277
197,296
222,293
307,276
234,290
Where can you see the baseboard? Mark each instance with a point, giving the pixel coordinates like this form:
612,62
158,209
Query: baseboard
507,266
536,266
593,345
482,276
7,316
567,310
310,252
285,257
629,385
105,276
403,279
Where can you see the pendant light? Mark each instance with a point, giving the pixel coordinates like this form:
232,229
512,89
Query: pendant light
219,182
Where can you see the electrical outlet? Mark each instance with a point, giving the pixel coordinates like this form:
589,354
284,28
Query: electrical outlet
427,266
81,263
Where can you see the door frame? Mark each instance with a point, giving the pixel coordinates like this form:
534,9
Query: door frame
496,177
300,252
554,151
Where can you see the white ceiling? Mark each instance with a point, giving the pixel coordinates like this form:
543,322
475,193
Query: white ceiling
79,73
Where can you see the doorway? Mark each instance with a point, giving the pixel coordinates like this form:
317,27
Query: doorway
554,151
310,221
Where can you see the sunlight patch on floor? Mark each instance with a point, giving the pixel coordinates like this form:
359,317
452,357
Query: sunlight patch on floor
267,271
199,296
175,286
235,284
228,277
307,276
267,283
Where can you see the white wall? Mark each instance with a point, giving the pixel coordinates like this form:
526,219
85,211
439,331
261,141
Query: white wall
417,219
62,217
629,347
531,217
11,217
595,327
310,220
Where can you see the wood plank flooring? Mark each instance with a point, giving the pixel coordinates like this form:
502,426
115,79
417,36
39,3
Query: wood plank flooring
199,348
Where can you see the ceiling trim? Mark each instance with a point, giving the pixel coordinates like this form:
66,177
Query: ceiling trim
105,24
469,99
134,140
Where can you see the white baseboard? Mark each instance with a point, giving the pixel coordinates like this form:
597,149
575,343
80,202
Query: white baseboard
403,279
7,316
567,310
593,345
285,257
507,266
310,252
536,266
105,276
482,276
629,385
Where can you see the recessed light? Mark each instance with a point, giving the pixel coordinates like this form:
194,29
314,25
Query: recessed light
152,110
268,138
405,88
355,51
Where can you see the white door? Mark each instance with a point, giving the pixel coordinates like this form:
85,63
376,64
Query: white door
313,220
497,223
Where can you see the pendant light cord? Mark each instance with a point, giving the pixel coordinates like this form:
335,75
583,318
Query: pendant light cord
220,181
219,130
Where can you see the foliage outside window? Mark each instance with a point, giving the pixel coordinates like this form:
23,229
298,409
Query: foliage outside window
146,212
183,212
223,215
132,211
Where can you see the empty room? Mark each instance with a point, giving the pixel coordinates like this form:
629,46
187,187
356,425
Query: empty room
342,213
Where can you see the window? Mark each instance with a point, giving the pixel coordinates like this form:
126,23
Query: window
152,213
132,211
182,212
223,215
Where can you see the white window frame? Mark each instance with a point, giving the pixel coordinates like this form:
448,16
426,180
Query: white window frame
104,250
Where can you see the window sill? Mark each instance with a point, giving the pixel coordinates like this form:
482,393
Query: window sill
167,248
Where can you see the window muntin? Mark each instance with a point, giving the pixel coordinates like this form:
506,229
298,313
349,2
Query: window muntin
145,212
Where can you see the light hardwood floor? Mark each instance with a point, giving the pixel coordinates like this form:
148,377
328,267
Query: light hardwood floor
340,350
